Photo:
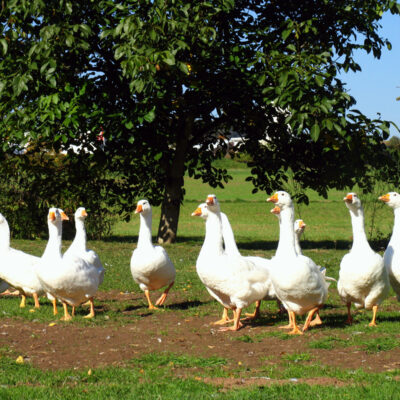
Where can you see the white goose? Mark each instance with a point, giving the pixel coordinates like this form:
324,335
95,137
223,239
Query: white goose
298,282
231,279
17,268
70,278
363,279
231,249
151,267
392,254
78,247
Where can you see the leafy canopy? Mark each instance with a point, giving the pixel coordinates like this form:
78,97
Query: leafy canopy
165,78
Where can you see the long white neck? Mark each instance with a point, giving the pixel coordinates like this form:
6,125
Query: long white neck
286,244
144,239
229,238
297,243
213,239
53,248
360,240
4,237
79,242
396,227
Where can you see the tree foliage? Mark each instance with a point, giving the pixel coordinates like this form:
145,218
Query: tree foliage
165,78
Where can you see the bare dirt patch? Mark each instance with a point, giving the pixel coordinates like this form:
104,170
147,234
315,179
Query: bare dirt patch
73,345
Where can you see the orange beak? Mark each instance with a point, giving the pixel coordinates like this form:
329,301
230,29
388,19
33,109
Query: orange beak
197,212
385,198
52,216
274,198
64,217
139,209
84,213
348,198
210,201
302,224
276,210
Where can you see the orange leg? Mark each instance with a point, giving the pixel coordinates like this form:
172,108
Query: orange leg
67,316
224,319
374,311
162,298
256,313
91,313
309,318
35,297
317,320
295,330
349,317
151,306
55,311
236,322
291,324
23,301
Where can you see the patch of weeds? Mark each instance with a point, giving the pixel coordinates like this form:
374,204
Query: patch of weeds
245,339
186,361
327,343
297,357
384,343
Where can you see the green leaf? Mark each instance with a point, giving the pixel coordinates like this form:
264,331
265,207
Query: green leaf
149,117
169,59
315,132
4,45
183,67
320,80
286,33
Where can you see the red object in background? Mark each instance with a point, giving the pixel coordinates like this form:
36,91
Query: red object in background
100,136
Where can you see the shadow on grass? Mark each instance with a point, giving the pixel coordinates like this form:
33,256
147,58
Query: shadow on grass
257,244
185,305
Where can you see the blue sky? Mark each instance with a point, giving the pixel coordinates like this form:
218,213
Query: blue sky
378,84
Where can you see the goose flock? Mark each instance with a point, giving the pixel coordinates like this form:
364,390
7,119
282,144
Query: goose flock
293,280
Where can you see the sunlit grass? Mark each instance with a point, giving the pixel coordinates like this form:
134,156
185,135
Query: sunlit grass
327,238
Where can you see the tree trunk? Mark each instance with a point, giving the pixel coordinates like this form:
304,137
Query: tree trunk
173,195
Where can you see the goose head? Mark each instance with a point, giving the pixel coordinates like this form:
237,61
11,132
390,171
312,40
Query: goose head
143,207
352,202
201,211
212,203
281,199
80,213
392,199
299,227
56,215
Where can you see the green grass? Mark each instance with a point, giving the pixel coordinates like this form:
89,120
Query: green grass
158,376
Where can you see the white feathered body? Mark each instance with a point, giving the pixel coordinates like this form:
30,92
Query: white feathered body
78,247
17,268
392,254
298,283
363,278
69,278
152,268
233,280
232,249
